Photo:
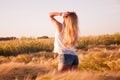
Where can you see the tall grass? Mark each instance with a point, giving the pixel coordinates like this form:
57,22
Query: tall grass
103,65
106,39
15,47
99,59
28,45
103,61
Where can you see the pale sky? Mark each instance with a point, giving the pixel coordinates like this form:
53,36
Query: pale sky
30,17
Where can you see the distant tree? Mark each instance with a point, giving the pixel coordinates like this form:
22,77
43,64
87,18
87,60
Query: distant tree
7,38
43,37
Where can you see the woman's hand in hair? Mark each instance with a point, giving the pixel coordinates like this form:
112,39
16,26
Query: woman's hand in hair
65,14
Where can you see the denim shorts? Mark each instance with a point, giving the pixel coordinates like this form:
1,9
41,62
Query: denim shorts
68,59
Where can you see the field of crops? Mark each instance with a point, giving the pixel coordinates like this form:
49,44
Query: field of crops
33,59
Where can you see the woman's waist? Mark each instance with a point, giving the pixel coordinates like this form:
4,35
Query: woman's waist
65,51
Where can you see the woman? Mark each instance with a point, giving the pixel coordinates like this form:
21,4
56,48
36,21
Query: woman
66,38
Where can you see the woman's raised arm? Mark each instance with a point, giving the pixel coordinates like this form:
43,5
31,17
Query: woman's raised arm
57,24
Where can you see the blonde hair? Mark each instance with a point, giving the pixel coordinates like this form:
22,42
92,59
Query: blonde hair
70,36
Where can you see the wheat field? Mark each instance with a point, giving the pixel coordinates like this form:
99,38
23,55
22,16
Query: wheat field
33,59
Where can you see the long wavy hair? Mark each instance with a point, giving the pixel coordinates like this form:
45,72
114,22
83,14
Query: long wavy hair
71,30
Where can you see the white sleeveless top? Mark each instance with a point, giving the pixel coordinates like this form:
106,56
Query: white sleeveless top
59,46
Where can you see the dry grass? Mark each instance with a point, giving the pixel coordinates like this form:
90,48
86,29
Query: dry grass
30,45
80,75
98,63
11,71
20,71
32,59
